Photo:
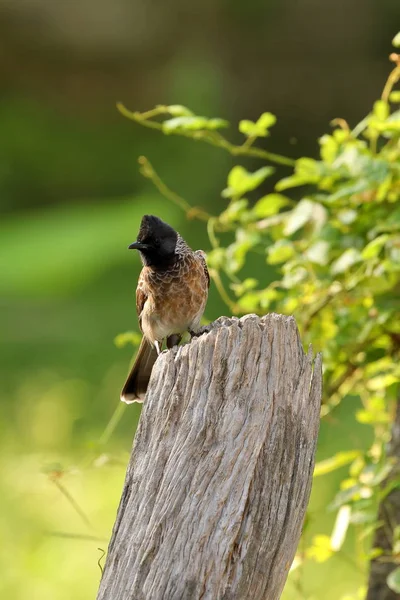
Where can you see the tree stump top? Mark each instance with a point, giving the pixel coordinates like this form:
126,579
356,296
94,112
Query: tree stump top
220,473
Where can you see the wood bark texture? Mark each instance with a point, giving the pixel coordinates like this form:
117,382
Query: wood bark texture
220,473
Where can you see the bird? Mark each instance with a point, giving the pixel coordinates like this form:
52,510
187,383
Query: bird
171,296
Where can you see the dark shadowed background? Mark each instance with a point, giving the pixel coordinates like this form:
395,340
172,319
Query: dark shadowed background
71,199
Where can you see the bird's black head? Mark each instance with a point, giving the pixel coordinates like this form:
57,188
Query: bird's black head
156,242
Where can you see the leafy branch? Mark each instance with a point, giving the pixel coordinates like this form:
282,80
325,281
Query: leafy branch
184,123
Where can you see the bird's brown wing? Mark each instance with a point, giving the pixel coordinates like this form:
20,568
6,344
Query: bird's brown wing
202,256
141,296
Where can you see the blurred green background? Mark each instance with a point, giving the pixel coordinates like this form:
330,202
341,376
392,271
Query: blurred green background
71,200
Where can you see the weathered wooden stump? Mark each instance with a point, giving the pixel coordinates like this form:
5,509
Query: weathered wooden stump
220,473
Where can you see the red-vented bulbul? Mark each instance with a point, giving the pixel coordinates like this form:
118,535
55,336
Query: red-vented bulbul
171,296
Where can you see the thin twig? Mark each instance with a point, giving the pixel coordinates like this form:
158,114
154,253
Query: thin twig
76,536
147,170
112,423
391,81
71,500
100,559
222,291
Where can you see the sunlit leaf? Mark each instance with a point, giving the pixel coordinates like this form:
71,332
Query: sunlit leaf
341,526
352,494
381,110
329,148
350,257
374,412
382,382
216,258
347,216
241,181
318,253
177,110
280,252
396,40
335,462
269,205
192,123
235,211
244,286
393,579
395,96
373,248
320,550
129,337
258,128
299,216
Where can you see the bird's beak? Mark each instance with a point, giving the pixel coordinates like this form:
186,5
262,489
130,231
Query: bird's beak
137,246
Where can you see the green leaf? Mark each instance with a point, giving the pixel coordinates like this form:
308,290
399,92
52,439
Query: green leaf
320,550
396,40
392,123
236,252
294,274
307,170
351,494
393,579
266,120
362,517
291,182
244,286
381,382
395,96
368,417
381,110
216,124
247,127
372,249
335,462
308,167
129,337
217,258
318,253
329,148
342,523
280,252
347,191
235,211
347,216
375,553
270,205
300,215
260,128
241,181
192,123
177,110
350,257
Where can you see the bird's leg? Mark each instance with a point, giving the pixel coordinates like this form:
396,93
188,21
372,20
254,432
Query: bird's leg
157,347
173,340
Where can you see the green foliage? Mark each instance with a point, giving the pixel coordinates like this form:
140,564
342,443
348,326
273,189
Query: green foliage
260,128
241,181
393,580
335,255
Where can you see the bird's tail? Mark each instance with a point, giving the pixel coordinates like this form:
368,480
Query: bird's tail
138,379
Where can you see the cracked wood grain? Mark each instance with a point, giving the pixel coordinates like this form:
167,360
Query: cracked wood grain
220,473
